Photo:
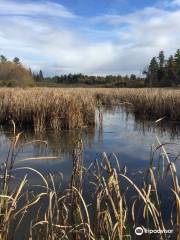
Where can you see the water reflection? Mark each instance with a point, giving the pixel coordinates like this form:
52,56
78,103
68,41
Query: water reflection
57,143
142,126
116,131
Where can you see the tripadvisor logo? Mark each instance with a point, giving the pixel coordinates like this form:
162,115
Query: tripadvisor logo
139,231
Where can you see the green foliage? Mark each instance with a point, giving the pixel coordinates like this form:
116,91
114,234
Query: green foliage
153,71
13,73
16,60
39,76
163,72
133,77
106,81
3,59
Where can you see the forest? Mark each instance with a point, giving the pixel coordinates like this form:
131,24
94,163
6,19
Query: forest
160,72
163,72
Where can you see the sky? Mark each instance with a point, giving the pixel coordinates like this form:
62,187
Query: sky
94,37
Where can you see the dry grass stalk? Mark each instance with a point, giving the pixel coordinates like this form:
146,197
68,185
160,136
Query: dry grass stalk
44,108
66,215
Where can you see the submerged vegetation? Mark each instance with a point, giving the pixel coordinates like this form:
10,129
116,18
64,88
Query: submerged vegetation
57,213
49,108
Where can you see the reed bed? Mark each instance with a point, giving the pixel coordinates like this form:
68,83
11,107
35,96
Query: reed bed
41,109
144,103
66,213
67,108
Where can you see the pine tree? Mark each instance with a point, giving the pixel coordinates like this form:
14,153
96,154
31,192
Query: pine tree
170,78
161,70
41,77
133,77
153,72
16,60
161,58
177,66
3,59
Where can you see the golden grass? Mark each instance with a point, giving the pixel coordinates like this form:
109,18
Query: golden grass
67,108
66,214
45,108
145,103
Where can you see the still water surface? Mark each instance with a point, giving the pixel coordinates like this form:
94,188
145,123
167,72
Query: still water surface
116,132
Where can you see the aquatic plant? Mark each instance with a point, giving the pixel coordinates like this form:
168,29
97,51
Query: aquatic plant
66,108
149,103
40,109
66,214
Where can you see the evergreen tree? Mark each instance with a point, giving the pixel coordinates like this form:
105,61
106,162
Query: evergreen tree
177,66
170,78
41,77
153,72
161,58
3,59
177,56
16,60
161,70
133,77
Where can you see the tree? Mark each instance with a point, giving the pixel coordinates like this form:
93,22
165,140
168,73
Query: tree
177,56
153,72
133,77
161,58
14,75
16,60
41,77
161,70
177,65
170,78
3,59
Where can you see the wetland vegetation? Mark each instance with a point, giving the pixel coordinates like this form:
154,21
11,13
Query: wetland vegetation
98,197
50,108
48,209
89,120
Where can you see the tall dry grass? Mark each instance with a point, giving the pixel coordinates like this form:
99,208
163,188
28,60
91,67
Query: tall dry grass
65,108
66,214
145,103
44,108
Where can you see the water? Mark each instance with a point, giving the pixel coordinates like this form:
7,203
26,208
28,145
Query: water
117,132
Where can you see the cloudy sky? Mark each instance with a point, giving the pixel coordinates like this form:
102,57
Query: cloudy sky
88,36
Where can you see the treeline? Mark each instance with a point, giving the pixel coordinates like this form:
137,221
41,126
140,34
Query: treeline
110,80
163,72
14,74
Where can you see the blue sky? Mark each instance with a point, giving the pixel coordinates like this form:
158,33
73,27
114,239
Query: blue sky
96,7
93,37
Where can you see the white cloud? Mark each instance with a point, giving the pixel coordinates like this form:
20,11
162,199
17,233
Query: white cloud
125,46
46,8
